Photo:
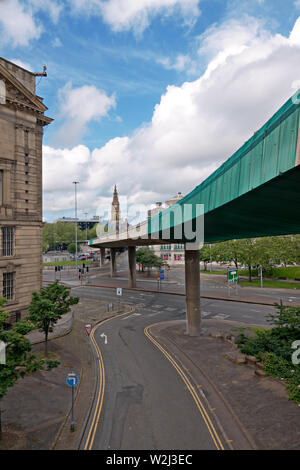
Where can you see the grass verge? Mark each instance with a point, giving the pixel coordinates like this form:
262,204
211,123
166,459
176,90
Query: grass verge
67,263
274,284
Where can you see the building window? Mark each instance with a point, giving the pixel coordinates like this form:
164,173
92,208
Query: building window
1,187
8,285
7,241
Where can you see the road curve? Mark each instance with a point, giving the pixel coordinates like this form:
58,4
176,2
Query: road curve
144,400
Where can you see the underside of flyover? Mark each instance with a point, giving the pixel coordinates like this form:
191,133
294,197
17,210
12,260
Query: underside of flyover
270,210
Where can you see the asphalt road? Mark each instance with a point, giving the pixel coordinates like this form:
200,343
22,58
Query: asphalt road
146,404
156,305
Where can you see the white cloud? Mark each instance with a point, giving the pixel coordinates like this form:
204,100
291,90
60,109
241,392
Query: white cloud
195,126
79,106
22,64
182,63
124,15
17,25
18,22
297,4
51,7
56,42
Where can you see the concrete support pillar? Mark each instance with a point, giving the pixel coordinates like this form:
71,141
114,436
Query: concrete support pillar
132,266
192,292
102,257
113,266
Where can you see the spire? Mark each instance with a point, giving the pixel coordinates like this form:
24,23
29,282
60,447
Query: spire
115,210
115,197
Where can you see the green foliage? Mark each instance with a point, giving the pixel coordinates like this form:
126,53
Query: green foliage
266,252
205,254
286,319
148,259
19,359
273,346
67,263
60,233
72,248
48,306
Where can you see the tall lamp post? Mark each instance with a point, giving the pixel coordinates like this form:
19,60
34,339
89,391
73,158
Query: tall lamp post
86,227
76,262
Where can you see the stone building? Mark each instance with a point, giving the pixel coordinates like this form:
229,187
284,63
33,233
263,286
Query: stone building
21,132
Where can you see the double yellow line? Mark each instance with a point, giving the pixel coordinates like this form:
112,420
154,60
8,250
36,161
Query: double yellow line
98,408
211,429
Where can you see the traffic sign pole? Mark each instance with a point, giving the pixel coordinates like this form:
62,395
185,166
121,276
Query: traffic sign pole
72,381
72,422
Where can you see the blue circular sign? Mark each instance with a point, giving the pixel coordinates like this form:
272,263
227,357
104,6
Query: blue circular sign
72,380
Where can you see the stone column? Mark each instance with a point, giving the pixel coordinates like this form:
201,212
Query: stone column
192,292
102,257
132,266
113,267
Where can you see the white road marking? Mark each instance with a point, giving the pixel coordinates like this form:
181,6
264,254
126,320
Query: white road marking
105,338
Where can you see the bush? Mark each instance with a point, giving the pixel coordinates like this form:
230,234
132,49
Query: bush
273,346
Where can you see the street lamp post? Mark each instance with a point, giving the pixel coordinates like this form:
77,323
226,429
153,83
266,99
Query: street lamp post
86,226
76,261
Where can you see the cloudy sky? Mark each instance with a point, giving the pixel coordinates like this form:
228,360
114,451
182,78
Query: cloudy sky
151,95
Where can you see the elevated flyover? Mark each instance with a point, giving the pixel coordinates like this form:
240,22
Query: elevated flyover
255,193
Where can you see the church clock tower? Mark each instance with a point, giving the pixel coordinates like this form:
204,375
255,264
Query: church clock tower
115,211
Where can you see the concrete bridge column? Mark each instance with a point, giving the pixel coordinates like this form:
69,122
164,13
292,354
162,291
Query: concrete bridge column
192,292
132,266
102,257
113,266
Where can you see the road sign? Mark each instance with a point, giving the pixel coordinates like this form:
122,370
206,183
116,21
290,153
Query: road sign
72,379
232,275
162,275
88,329
119,291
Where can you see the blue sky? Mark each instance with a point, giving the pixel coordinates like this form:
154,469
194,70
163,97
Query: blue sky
151,95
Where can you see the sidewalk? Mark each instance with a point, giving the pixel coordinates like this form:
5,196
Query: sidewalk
253,409
36,410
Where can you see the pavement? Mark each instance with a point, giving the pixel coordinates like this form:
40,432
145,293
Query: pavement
252,409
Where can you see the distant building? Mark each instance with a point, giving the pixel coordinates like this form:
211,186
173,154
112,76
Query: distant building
22,121
171,253
117,223
115,212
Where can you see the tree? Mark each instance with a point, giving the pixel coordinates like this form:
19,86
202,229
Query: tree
19,360
72,248
205,255
48,306
148,259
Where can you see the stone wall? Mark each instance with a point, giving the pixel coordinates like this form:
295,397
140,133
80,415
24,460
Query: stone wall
21,131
